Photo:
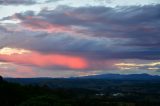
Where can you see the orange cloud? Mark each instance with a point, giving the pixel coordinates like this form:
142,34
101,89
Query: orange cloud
45,60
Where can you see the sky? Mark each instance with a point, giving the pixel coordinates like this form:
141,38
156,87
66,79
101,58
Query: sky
71,38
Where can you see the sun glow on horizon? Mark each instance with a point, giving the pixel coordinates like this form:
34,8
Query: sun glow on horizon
11,51
129,66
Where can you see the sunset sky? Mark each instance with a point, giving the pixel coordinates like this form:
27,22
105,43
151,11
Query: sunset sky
70,38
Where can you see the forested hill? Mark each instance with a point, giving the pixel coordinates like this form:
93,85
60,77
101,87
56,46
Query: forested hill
81,92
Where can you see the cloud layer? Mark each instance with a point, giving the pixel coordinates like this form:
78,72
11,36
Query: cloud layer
86,39
17,2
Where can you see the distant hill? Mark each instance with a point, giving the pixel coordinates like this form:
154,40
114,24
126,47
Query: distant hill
127,77
83,81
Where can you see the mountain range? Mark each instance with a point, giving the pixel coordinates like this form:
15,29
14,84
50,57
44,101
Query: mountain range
122,76
92,77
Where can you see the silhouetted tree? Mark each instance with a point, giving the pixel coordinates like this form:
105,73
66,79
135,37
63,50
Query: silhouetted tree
1,78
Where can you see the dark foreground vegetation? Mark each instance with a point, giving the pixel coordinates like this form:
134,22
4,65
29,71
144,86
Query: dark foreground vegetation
81,92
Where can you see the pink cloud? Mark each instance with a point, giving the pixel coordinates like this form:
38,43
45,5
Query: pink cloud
46,60
41,25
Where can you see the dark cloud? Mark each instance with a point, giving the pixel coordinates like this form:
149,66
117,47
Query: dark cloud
123,22
17,2
94,48
103,32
